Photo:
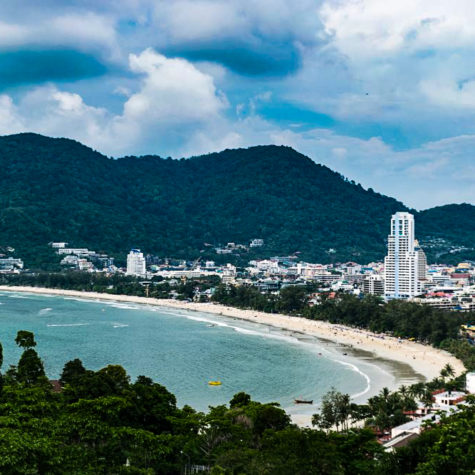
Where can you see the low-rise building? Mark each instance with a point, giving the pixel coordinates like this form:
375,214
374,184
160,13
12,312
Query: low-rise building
446,399
373,285
257,243
415,426
470,382
58,245
11,264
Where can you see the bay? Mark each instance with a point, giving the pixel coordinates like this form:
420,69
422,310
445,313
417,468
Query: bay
184,350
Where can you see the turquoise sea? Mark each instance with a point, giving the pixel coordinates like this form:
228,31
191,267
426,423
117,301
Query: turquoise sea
183,350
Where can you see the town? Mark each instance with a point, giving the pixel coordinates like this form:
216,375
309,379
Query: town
404,273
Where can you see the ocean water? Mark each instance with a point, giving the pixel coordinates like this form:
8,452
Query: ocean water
183,350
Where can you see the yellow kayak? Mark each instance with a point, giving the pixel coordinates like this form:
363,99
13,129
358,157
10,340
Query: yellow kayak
214,383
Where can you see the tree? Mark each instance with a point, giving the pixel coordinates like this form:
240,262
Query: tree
25,339
116,376
30,368
240,399
449,370
336,410
292,299
72,371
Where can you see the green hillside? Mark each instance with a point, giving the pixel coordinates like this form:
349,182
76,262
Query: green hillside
58,189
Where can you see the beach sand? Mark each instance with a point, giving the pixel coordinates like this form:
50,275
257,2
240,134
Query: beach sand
423,359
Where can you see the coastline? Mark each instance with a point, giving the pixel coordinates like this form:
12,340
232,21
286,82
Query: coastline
425,360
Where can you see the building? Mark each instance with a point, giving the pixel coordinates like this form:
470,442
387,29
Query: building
373,285
257,243
10,264
401,265
414,427
58,245
421,262
446,399
470,382
136,263
80,252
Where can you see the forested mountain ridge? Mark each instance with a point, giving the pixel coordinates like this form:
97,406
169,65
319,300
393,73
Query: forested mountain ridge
57,189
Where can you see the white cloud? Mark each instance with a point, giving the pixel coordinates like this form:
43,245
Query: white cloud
12,35
85,31
371,28
10,120
448,93
179,18
175,101
199,20
173,90
396,63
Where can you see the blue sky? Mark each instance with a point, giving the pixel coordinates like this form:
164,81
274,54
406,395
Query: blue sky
382,92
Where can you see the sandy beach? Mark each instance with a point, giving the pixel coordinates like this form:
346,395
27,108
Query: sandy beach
423,359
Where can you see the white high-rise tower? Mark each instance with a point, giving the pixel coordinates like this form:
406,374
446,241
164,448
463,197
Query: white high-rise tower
401,265
136,263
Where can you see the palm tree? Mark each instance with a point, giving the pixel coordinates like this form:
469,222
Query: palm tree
449,370
427,399
444,373
417,390
407,397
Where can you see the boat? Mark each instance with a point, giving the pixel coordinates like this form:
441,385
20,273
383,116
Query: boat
303,401
214,383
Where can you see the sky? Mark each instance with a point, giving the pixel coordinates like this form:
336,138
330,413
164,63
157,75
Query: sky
381,91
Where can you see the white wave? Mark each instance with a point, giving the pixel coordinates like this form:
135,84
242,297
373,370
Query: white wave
18,296
365,376
116,304
265,334
205,320
66,324
263,331
119,325
79,299
125,306
44,311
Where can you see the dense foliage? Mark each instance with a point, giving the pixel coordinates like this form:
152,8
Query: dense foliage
60,190
101,422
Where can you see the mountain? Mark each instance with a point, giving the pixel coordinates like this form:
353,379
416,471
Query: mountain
57,189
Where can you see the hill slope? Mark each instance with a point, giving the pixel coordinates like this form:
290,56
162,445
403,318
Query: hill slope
58,189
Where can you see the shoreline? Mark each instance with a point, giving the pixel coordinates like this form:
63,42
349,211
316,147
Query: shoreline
424,360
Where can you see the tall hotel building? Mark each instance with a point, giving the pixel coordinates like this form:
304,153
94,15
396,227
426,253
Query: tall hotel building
402,269
136,263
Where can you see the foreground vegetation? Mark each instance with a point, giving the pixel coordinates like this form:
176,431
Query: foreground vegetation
101,422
